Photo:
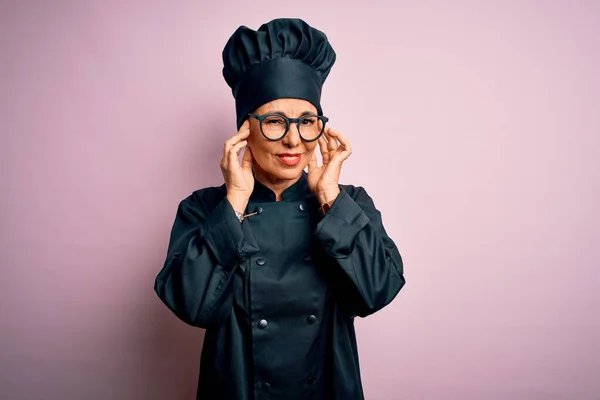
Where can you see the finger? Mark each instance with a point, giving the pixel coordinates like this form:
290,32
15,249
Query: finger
323,148
339,158
332,143
312,164
322,142
245,128
234,153
247,159
343,152
241,134
344,143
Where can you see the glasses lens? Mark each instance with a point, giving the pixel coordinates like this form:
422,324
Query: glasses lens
311,127
274,126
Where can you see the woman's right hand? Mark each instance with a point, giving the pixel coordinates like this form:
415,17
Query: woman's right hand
239,179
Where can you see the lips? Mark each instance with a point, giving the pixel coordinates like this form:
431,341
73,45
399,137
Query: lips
290,158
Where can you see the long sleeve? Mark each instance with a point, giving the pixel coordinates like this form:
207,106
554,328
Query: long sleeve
370,272
207,244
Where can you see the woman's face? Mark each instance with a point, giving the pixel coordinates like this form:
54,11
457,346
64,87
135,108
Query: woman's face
284,159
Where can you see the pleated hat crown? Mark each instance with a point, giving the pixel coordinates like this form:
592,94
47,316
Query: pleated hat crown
284,58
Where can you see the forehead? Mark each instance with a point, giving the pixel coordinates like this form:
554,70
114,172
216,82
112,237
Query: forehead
290,107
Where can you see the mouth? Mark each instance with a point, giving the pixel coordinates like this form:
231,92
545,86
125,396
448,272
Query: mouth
290,158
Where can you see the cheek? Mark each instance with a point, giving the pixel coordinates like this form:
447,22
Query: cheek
310,147
261,148
255,140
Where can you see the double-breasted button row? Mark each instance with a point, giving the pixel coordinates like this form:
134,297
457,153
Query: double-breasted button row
311,319
259,209
266,386
262,261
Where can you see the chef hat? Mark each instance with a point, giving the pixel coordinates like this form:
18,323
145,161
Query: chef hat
284,58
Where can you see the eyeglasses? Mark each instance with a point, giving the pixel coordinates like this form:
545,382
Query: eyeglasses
274,126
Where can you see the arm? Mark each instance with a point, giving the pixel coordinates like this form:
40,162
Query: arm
370,272
207,245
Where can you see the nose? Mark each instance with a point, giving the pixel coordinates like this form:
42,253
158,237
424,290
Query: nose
292,138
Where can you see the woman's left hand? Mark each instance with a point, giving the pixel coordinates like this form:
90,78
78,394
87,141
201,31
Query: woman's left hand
323,180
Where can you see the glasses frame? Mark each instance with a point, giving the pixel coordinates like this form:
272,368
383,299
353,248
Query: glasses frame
288,122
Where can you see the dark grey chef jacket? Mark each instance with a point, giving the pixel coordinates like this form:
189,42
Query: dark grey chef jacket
278,293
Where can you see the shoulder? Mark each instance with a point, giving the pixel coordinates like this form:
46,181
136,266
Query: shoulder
359,195
204,199
356,192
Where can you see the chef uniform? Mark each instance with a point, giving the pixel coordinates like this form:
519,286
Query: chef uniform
278,292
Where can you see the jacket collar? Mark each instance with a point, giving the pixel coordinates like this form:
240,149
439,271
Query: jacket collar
297,191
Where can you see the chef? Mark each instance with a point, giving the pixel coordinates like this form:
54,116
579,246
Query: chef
277,262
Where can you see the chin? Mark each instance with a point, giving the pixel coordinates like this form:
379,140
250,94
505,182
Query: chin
287,173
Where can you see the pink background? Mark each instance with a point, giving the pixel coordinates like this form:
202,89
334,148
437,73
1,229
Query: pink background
475,128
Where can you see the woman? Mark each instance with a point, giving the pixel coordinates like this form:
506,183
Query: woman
276,263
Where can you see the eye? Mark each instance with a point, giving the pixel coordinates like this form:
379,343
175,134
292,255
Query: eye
274,121
309,121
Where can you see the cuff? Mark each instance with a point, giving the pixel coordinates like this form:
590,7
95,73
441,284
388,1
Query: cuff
338,229
229,241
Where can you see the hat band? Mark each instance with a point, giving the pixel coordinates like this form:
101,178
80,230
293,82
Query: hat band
276,79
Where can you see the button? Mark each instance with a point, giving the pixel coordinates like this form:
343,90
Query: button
310,380
307,257
258,210
311,319
260,261
262,324
301,207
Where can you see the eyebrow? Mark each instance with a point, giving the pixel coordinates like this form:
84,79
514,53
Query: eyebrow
284,113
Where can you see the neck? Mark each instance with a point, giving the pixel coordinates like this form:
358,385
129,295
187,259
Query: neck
277,185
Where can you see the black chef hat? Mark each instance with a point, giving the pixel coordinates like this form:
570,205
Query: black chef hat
283,58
